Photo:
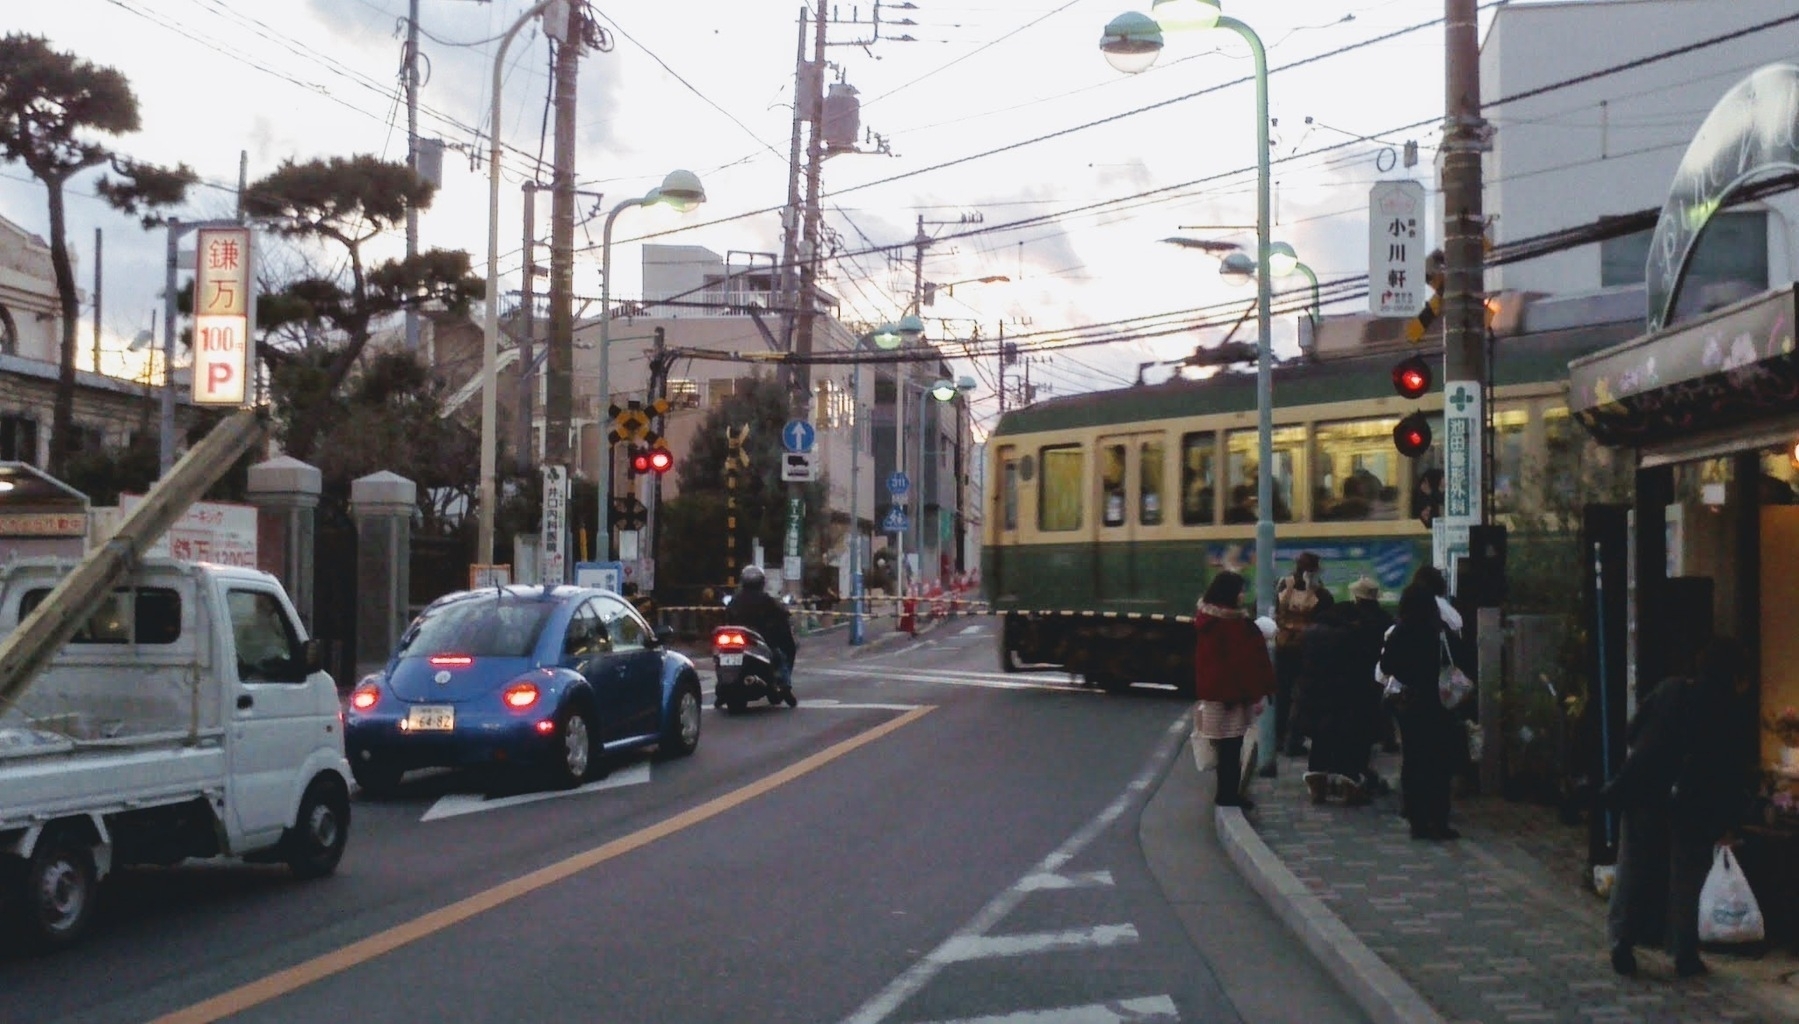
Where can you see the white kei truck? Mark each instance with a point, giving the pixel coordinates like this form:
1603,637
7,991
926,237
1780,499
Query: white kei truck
186,716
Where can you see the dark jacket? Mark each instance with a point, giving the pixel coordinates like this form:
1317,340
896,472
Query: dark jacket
1414,656
761,611
1679,757
1369,622
1230,659
1330,690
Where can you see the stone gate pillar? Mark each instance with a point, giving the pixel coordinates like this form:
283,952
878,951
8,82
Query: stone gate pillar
285,492
382,505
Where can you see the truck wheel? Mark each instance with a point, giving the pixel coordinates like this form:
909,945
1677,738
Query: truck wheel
59,891
315,844
682,736
376,779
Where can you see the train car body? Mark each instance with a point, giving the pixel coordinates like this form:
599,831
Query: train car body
1107,513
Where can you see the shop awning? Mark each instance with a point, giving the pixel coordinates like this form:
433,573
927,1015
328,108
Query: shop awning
1729,368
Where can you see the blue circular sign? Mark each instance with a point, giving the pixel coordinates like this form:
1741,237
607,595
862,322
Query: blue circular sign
897,484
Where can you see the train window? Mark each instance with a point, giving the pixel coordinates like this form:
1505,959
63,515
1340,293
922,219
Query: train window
1199,479
1111,484
1009,490
1061,490
1509,446
1242,448
1431,459
1149,483
1356,470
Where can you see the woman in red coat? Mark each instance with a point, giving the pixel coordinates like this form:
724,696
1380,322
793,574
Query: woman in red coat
1232,677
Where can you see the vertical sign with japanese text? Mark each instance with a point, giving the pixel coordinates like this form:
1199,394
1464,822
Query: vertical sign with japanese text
553,527
1396,248
1462,424
223,307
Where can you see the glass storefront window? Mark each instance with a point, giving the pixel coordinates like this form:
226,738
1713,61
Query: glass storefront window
1111,484
1059,489
1149,485
1356,470
1199,480
1241,448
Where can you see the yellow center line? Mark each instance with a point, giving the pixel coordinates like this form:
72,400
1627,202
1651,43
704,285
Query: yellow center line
362,951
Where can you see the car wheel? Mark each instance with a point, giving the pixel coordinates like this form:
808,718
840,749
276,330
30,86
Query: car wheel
59,891
313,847
682,734
574,758
376,779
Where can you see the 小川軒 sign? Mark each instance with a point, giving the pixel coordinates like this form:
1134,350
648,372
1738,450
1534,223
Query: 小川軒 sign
224,308
1396,254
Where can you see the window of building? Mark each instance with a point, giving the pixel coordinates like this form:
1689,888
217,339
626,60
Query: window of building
719,390
1734,247
834,406
1199,479
1149,483
1060,490
683,394
1241,448
1356,470
9,333
18,439
1111,484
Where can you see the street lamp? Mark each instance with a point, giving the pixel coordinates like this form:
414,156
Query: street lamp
681,191
1131,43
490,333
1238,269
892,336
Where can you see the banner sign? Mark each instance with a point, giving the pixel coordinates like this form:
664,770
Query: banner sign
223,309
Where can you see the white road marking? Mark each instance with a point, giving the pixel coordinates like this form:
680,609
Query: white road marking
970,630
1148,1010
457,804
958,679
838,705
986,947
885,1002
1082,880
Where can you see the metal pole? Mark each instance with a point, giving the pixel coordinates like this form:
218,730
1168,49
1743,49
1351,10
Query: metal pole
166,438
97,239
490,340
411,65
918,520
900,373
856,634
603,478
527,347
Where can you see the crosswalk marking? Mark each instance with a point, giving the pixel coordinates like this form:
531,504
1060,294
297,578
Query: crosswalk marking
1148,1010
963,948
1080,880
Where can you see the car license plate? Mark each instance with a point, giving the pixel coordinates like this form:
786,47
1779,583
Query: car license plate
431,718
730,659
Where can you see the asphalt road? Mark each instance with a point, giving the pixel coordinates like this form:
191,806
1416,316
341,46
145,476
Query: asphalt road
923,839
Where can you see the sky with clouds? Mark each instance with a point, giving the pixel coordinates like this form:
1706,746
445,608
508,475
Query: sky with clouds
1003,110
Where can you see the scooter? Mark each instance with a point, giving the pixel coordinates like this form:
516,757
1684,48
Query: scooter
745,667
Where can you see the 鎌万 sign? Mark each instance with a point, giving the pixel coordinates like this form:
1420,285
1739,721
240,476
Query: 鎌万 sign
1396,215
223,307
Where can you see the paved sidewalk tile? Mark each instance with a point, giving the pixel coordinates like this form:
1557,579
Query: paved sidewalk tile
1495,927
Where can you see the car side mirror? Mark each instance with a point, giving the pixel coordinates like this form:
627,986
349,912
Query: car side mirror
663,634
312,656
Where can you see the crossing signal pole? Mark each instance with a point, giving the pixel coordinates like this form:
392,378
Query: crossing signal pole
1466,136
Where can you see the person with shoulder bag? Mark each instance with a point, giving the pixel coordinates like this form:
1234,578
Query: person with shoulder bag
1233,680
1433,742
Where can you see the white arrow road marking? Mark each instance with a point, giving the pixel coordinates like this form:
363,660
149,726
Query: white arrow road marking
457,804
1080,880
1149,1010
970,630
963,948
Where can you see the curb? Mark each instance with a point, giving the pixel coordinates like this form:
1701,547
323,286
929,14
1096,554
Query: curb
1375,986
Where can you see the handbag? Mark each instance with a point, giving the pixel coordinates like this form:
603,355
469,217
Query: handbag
1727,908
1453,685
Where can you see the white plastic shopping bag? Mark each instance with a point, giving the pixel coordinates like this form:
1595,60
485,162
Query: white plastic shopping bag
1727,909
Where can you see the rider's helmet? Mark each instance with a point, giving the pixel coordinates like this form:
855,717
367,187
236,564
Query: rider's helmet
753,578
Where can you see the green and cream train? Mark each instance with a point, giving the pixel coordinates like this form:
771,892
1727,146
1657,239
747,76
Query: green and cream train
1106,513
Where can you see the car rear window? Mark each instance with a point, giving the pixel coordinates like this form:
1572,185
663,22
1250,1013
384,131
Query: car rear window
489,627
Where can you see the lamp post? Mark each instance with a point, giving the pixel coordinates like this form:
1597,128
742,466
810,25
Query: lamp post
1238,268
886,336
891,336
490,332
682,191
943,390
1131,42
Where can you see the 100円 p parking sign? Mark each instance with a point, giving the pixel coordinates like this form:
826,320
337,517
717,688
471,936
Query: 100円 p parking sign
224,307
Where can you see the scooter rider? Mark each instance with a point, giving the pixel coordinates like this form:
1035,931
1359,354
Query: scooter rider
753,607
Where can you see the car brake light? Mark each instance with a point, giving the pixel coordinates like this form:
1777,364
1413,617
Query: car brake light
450,661
520,695
366,696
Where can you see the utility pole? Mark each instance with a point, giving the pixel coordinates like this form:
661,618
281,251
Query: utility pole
808,86
559,374
1002,367
411,72
527,337
1465,137
809,105
97,300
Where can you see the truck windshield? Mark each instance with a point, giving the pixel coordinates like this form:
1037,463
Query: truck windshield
490,627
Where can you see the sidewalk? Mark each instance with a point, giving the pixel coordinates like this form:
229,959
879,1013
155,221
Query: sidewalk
1495,927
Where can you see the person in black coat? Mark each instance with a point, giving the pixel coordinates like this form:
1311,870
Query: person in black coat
752,606
1678,794
1434,742
1338,706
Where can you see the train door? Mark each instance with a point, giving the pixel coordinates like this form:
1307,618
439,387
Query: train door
1005,522
1130,474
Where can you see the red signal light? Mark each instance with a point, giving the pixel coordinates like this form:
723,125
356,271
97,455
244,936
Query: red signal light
661,460
640,461
1411,378
1412,436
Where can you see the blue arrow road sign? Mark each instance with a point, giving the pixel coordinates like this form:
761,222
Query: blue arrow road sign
895,522
898,485
798,435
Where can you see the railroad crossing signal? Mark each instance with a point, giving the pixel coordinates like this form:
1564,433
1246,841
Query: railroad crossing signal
628,513
632,423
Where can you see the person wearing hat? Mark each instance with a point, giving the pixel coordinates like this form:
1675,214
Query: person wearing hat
1370,623
1297,598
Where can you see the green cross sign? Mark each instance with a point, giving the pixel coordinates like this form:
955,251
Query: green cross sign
1461,399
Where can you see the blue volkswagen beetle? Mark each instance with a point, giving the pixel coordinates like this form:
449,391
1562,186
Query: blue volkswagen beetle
548,678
